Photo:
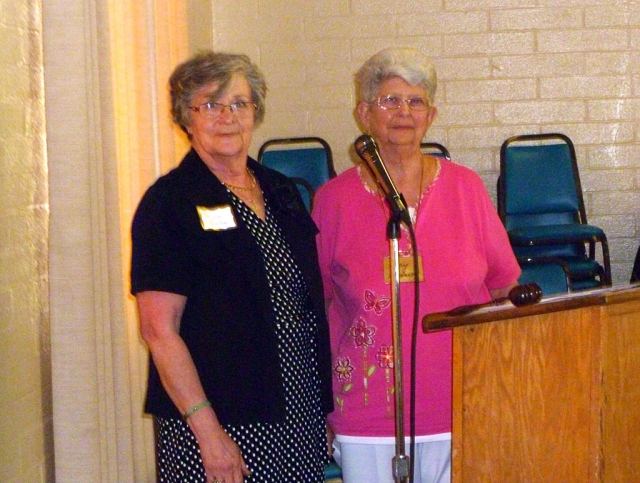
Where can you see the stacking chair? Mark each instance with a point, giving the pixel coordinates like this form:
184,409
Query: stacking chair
541,204
635,271
306,160
332,472
435,149
550,273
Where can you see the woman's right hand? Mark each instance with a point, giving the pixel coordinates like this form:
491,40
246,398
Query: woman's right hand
160,316
221,455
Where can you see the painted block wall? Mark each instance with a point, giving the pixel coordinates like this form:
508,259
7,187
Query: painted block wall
505,67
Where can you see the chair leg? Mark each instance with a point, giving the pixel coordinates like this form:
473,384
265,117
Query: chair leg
606,262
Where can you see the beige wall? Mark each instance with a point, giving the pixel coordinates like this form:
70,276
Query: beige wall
26,448
505,67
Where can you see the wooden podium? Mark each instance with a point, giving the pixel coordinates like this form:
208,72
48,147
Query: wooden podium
547,393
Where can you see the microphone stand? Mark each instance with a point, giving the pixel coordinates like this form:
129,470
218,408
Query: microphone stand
366,148
400,462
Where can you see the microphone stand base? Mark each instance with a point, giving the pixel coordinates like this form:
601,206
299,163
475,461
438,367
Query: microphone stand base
400,468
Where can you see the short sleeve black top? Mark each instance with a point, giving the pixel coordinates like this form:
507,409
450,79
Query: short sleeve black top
228,321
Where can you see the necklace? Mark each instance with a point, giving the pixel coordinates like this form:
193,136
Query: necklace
254,183
247,198
413,210
414,215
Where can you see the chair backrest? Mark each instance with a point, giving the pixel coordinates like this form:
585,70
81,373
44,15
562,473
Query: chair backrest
539,181
306,191
435,149
307,158
552,275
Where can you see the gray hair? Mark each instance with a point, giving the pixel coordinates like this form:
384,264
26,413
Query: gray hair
409,64
208,67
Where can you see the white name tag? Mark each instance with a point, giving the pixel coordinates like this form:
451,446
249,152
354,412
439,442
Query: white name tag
217,218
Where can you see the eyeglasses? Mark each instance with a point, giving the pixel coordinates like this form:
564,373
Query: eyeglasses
395,102
213,110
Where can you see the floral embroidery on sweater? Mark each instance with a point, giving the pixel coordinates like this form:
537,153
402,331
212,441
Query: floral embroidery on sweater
363,336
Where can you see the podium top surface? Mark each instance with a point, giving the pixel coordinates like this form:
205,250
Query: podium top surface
607,296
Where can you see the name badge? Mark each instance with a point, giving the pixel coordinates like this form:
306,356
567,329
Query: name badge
216,218
405,268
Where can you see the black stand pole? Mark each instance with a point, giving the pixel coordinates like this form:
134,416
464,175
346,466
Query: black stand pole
400,462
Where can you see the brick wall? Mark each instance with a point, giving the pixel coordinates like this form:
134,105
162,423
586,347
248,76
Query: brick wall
505,67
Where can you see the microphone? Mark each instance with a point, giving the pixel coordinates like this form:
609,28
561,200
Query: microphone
367,149
520,296
527,294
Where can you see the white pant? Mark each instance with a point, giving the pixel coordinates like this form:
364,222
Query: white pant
372,463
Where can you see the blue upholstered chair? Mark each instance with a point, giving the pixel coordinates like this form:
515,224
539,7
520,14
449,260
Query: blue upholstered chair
332,473
307,160
541,205
551,274
635,271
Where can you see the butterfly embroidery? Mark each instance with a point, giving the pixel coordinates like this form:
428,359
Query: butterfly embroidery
377,304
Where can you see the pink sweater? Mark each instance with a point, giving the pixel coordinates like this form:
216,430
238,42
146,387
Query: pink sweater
465,253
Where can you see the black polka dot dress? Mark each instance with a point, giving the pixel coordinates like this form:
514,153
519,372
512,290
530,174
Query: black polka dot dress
294,450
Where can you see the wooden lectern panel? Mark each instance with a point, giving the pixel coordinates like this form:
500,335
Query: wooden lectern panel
621,392
526,404
553,396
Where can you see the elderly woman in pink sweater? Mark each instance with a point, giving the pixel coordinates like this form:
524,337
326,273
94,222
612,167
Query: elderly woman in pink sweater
465,258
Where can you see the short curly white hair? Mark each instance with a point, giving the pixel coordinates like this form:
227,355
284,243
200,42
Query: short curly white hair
409,64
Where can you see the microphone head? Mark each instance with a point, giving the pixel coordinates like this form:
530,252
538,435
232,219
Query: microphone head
527,294
363,144
367,149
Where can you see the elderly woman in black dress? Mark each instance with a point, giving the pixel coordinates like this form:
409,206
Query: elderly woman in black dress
229,296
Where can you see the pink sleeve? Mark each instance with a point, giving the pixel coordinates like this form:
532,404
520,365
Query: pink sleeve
503,266
323,240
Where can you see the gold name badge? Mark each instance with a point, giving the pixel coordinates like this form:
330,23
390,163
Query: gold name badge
405,267
216,218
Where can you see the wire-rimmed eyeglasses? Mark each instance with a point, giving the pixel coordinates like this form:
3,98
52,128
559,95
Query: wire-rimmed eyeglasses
215,109
395,102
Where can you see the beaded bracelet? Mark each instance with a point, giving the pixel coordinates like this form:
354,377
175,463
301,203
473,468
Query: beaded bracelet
195,408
